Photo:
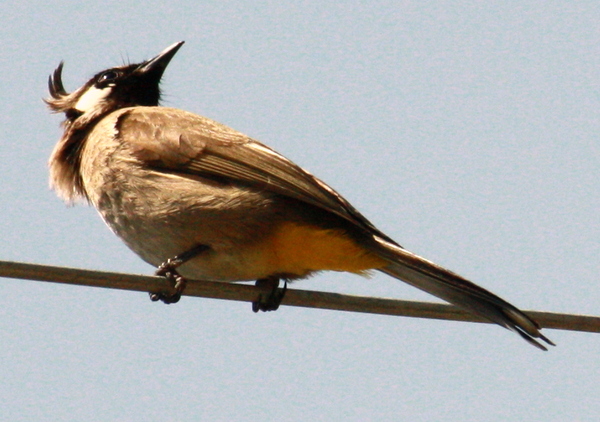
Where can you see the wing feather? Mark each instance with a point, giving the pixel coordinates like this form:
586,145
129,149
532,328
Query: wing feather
185,143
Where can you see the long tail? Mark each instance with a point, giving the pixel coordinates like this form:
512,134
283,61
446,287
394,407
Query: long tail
440,282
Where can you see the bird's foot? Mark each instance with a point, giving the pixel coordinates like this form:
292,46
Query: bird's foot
168,270
271,298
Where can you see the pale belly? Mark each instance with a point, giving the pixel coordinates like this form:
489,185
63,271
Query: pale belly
249,234
160,224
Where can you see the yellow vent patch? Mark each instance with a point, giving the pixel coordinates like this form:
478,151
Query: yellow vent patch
300,249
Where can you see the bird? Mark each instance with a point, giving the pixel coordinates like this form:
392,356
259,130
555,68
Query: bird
199,200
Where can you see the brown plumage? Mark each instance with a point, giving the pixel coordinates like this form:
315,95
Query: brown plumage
169,182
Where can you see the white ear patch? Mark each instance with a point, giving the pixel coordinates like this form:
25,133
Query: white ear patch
92,98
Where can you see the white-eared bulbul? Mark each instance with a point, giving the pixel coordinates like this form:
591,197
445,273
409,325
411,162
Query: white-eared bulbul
202,201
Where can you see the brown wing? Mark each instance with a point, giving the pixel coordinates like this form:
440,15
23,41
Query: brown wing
185,143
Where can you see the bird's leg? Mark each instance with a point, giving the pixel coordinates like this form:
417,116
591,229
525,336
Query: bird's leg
168,269
271,300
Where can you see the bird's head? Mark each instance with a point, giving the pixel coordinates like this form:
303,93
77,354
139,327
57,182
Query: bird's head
112,89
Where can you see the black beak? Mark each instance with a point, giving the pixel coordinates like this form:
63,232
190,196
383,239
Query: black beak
156,66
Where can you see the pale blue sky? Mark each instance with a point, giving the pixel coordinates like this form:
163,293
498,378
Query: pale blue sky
466,131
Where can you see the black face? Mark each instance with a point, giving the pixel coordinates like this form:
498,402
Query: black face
130,86
112,89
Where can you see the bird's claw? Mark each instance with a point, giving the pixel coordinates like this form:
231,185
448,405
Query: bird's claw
167,270
271,298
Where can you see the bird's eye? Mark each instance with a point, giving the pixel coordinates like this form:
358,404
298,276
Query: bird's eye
108,76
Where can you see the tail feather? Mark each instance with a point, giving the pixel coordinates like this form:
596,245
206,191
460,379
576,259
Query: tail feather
440,282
